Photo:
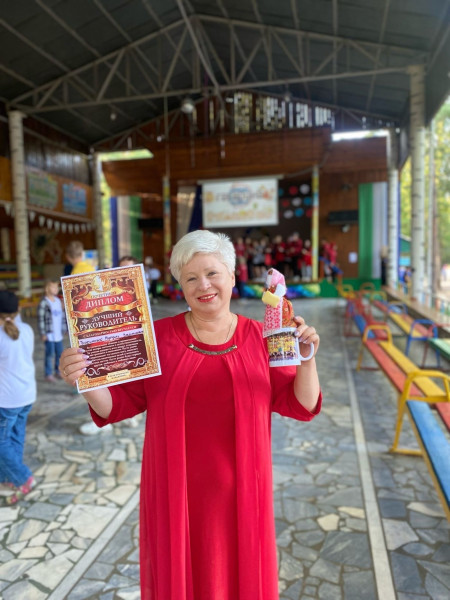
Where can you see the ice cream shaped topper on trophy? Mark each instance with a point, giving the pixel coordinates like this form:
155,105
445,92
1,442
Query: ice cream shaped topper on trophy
279,325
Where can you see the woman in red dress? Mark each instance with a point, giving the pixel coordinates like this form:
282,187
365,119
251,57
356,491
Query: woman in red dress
207,524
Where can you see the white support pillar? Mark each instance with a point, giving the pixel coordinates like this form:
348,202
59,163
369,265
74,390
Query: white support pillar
417,144
19,190
393,200
431,211
98,213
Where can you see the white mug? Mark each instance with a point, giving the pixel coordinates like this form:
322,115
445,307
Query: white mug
284,349
310,355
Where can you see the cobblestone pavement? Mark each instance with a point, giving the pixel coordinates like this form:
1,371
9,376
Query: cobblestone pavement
353,521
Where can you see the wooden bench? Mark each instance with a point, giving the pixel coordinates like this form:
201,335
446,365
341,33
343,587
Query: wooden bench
359,314
441,347
421,310
345,290
379,300
413,384
415,329
367,287
435,448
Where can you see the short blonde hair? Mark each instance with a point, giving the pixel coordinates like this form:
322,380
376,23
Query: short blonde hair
75,249
48,282
204,242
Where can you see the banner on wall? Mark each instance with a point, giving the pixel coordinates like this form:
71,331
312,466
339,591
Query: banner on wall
74,199
42,189
240,202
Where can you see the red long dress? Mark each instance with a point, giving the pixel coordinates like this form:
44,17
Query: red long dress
207,525
211,481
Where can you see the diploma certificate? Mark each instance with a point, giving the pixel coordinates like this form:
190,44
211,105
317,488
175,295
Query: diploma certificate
109,316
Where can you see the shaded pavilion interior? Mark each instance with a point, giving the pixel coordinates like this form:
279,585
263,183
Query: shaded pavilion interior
268,83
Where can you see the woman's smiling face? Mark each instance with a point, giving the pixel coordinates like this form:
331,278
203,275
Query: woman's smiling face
207,284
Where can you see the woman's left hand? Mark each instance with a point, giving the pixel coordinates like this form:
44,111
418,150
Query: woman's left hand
306,334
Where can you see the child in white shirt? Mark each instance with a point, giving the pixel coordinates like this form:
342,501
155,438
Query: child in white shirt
17,395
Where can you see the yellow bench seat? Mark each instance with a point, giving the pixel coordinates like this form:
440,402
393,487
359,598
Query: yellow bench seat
425,384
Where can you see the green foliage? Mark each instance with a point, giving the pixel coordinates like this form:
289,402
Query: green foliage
442,183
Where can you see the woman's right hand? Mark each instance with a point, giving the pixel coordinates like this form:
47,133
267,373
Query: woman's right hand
72,364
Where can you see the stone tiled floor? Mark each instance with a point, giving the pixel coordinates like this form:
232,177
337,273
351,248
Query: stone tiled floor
353,521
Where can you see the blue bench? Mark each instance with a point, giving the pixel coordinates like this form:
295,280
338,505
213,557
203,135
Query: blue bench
435,448
361,324
415,329
418,390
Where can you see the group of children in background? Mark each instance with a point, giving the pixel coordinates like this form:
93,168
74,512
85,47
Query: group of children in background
254,257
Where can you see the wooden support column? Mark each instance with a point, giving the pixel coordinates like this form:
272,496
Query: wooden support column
98,212
167,228
20,203
393,200
417,144
433,270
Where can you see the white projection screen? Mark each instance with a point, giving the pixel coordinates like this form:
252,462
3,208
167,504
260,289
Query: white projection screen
240,202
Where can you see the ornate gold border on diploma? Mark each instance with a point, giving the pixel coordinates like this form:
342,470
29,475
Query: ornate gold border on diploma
107,279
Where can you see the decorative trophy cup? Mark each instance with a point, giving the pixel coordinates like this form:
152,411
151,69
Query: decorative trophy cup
279,325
